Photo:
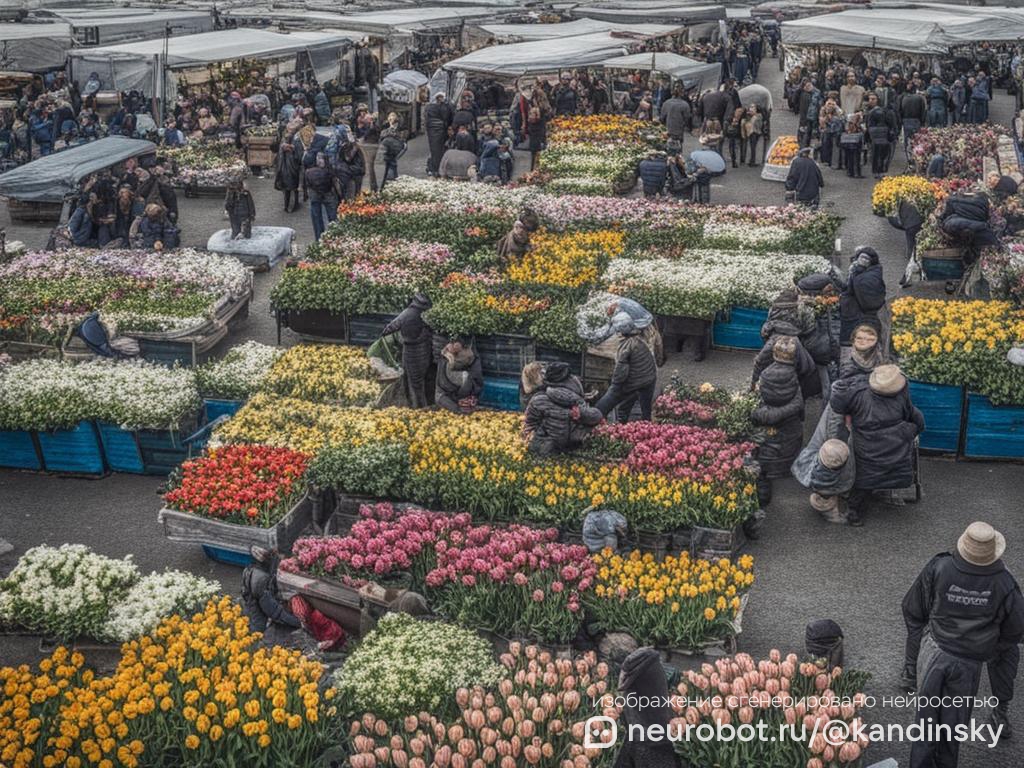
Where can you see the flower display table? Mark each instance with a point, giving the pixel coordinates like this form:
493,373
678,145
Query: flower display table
942,406
780,155
992,431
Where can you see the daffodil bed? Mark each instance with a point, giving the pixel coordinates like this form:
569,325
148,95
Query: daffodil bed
891,191
963,343
479,464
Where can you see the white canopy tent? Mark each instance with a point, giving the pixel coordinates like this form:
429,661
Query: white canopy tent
692,73
415,19
34,47
107,26
657,13
143,65
518,59
528,32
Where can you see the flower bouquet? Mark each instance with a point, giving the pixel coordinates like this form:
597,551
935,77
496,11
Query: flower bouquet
671,602
324,373
707,406
535,714
206,164
239,373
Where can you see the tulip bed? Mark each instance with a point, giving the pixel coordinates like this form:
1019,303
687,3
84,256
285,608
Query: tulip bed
964,148
707,406
479,464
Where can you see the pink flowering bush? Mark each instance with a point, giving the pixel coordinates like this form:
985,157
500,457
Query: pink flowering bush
963,146
515,581
707,406
688,453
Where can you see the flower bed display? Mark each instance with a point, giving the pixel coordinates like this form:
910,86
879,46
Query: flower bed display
406,666
492,722
71,592
479,464
707,406
483,305
569,260
963,343
963,146
740,690
324,373
671,602
1004,270
206,163
893,190
159,706
44,295
239,373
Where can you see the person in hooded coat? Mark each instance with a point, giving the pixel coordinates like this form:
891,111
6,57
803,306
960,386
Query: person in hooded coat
261,602
789,318
558,417
884,424
417,347
460,378
436,118
531,381
289,167
781,410
634,376
863,295
644,686
831,475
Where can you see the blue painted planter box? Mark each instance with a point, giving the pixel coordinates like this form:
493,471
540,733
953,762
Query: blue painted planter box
739,328
993,431
121,449
217,408
942,406
502,394
18,450
145,451
75,450
227,556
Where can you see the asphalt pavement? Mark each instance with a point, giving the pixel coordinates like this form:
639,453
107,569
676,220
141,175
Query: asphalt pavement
806,568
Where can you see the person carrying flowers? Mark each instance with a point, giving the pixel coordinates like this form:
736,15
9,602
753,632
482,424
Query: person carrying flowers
558,417
417,340
460,378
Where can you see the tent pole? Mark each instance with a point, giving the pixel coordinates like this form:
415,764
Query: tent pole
157,106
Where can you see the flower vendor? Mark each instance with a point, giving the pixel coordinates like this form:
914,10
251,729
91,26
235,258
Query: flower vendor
241,209
804,179
460,378
417,345
966,220
261,601
884,423
642,680
782,412
964,610
634,376
558,417
863,295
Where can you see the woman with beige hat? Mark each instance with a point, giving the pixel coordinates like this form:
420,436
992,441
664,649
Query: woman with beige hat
884,424
964,610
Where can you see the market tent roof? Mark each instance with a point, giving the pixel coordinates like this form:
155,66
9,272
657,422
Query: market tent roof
690,71
528,32
50,178
116,25
541,55
408,78
410,19
634,14
915,30
34,47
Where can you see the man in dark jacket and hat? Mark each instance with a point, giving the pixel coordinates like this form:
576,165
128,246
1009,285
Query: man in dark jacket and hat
884,424
964,610
864,294
804,179
677,116
643,684
653,172
460,378
436,118
260,600
417,347
634,376
781,411
558,417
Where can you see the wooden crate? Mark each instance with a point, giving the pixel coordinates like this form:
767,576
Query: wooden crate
258,150
716,543
186,527
318,323
942,263
31,211
504,355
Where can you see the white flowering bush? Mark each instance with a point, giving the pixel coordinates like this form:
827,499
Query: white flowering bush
66,591
725,234
135,394
239,373
407,666
153,598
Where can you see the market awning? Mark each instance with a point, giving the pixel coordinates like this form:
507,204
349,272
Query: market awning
114,25
50,178
34,47
412,19
690,71
528,32
654,13
517,59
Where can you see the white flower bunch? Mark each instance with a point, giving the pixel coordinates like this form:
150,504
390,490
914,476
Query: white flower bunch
135,394
151,600
409,189
239,373
407,666
722,233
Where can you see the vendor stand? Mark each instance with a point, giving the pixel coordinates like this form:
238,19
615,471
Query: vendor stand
691,74
34,47
402,93
37,191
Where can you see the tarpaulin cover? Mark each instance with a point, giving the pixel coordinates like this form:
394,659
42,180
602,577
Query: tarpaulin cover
688,70
915,30
656,15
541,55
527,32
122,24
383,22
50,178
33,47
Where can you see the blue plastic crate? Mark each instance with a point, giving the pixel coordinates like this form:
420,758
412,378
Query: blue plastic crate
502,394
120,448
218,408
993,431
739,328
18,450
76,451
227,556
942,406
942,269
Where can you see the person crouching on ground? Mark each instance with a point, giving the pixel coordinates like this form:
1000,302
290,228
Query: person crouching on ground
460,378
558,418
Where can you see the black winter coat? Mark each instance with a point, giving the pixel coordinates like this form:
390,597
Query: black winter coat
417,336
635,366
805,179
463,376
806,369
653,173
859,303
260,602
975,611
550,417
884,428
782,411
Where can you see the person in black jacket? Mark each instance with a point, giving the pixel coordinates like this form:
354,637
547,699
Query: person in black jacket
394,147
241,209
789,317
634,375
884,424
913,114
324,195
436,119
882,131
155,188
460,378
644,687
260,600
417,347
349,169
558,417
864,294
964,610
781,411
804,179
653,171
910,221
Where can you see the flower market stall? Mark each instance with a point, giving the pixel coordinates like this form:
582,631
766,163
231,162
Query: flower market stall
206,166
964,147
177,305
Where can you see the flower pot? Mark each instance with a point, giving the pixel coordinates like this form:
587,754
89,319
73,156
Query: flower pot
232,537
19,450
504,355
739,328
314,323
655,543
365,329
716,543
74,451
993,431
942,406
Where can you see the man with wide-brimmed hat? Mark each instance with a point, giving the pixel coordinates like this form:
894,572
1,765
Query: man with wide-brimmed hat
964,610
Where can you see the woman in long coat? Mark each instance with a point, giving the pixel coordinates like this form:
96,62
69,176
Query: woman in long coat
289,166
417,347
